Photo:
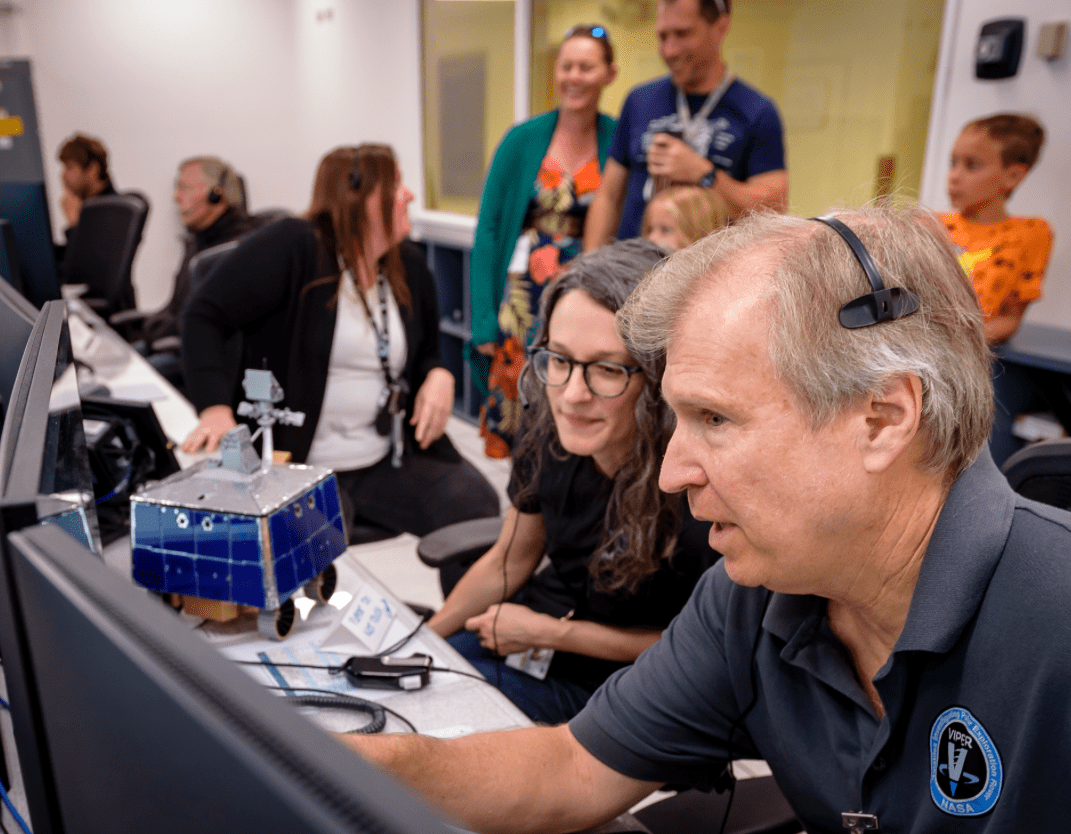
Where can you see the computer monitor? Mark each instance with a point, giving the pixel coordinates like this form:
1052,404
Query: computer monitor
44,460
17,317
25,206
142,726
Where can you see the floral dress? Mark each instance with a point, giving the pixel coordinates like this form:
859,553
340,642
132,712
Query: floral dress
552,235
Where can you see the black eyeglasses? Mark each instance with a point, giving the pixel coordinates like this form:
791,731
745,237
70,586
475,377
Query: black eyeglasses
587,30
604,379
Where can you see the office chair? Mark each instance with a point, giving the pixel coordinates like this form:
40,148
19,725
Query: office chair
452,549
758,808
1042,472
102,252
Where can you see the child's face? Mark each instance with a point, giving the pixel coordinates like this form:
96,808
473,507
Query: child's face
663,229
979,182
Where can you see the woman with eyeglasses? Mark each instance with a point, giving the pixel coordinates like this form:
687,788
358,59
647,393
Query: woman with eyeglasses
623,556
531,222
342,309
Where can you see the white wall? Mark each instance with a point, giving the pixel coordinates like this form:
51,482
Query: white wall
269,85
1041,89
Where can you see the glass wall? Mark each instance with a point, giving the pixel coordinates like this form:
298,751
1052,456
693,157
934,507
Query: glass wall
853,80
468,96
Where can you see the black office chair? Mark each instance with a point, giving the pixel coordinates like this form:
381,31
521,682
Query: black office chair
452,549
758,807
102,252
1042,472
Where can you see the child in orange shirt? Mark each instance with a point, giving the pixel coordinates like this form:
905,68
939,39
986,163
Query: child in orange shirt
1005,256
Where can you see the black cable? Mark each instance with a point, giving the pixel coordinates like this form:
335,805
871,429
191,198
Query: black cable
477,676
337,669
379,715
341,695
395,646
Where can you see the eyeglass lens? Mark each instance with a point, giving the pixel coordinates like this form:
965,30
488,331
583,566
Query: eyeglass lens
604,379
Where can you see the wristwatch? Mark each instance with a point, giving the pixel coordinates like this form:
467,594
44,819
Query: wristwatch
708,180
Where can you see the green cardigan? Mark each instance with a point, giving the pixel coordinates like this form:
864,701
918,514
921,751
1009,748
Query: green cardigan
506,194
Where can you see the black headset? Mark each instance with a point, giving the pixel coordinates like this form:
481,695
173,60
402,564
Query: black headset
215,196
884,303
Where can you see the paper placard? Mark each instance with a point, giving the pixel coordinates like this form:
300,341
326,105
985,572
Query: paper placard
367,618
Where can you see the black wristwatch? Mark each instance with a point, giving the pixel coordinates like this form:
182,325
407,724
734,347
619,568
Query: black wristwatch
708,180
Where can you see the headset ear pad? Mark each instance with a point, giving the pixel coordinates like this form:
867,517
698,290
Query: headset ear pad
215,196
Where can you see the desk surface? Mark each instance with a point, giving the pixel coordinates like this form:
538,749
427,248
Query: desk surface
451,705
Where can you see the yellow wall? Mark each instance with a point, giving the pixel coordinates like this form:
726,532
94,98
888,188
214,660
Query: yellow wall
463,28
853,78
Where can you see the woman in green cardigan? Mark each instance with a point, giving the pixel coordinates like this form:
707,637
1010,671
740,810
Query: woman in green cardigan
541,181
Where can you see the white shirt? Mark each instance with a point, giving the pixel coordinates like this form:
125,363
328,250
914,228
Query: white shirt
345,438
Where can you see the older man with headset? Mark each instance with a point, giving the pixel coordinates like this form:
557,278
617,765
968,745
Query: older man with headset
888,628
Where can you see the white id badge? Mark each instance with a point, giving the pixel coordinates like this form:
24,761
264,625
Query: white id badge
519,262
534,662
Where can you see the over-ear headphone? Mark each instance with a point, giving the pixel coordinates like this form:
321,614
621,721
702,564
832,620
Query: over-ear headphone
884,303
215,196
355,173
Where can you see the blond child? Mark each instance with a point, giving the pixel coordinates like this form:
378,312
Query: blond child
681,215
1005,256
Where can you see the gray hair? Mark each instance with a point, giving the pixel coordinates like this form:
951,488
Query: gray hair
827,367
218,173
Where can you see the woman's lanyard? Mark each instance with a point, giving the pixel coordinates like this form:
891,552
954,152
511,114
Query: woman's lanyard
690,124
390,411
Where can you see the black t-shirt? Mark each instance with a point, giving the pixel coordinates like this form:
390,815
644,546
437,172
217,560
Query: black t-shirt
572,496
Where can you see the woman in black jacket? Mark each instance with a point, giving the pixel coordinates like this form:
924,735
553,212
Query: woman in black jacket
343,311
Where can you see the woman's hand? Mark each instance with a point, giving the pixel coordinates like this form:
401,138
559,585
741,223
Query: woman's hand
432,406
517,629
216,421
487,349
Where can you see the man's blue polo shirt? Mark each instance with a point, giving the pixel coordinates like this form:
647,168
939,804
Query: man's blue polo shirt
976,735
742,135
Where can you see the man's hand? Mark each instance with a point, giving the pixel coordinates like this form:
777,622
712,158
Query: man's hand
432,406
517,628
216,421
673,160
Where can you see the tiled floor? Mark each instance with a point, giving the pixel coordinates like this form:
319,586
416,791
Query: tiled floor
394,561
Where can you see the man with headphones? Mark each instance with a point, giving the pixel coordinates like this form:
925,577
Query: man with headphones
211,205
872,630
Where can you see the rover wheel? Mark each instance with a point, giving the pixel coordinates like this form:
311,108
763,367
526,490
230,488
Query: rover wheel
321,587
276,623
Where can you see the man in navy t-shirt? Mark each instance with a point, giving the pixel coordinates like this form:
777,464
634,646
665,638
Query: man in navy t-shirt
698,125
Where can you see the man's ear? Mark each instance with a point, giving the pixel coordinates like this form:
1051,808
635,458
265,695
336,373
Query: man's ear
892,419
